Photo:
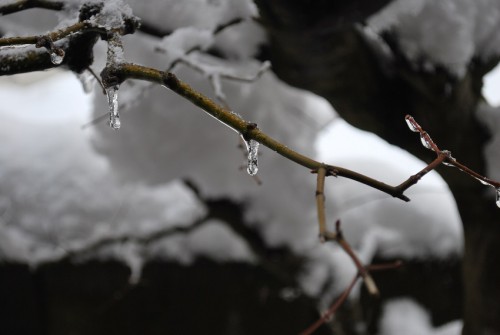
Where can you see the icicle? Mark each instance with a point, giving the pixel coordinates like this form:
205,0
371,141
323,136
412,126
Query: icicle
253,152
87,80
425,142
498,197
411,125
56,56
114,116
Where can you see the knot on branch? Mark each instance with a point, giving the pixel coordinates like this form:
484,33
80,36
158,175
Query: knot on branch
171,81
249,127
111,76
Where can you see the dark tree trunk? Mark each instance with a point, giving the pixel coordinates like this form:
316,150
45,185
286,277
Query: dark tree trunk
318,46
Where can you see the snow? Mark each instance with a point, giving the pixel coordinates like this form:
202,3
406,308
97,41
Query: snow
375,223
173,14
64,191
405,316
181,40
213,239
491,88
58,196
446,32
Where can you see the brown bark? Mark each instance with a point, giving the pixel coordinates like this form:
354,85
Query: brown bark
315,45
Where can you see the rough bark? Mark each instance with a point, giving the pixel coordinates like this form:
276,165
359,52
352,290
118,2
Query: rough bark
317,46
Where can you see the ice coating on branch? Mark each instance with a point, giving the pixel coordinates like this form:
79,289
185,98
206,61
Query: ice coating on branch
446,32
253,160
411,125
114,116
425,142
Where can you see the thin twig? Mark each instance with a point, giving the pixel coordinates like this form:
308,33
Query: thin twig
320,202
364,273
444,156
20,5
333,308
328,314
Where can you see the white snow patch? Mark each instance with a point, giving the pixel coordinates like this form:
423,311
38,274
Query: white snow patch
445,32
173,14
213,239
405,316
375,223
59,197
491,87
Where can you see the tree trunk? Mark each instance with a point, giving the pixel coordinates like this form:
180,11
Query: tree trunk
319,47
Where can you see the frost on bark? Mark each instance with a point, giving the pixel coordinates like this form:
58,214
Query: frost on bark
320,47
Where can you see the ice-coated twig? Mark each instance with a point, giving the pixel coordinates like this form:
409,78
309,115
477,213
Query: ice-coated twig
114,59
443,157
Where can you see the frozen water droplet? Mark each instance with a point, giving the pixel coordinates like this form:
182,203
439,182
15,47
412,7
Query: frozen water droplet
484,182
253,152
411,125
425,142
114,116
56,56
498,197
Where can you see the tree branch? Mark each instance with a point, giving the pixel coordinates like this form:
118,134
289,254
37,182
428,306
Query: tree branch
21,5
127,71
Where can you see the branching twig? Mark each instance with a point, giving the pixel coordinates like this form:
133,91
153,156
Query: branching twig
328,314
444,156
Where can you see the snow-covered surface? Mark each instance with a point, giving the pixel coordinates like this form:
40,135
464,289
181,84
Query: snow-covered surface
446,32
376,223
405,316
65,190
491,88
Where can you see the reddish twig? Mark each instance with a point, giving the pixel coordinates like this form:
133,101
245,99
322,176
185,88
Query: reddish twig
328,314
333,308
444,157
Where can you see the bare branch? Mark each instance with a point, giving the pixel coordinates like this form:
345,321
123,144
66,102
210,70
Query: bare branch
133,71
20,5
444,156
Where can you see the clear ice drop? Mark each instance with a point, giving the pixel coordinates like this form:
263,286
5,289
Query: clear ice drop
253,152
411,125
114,116
425,143
56,56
